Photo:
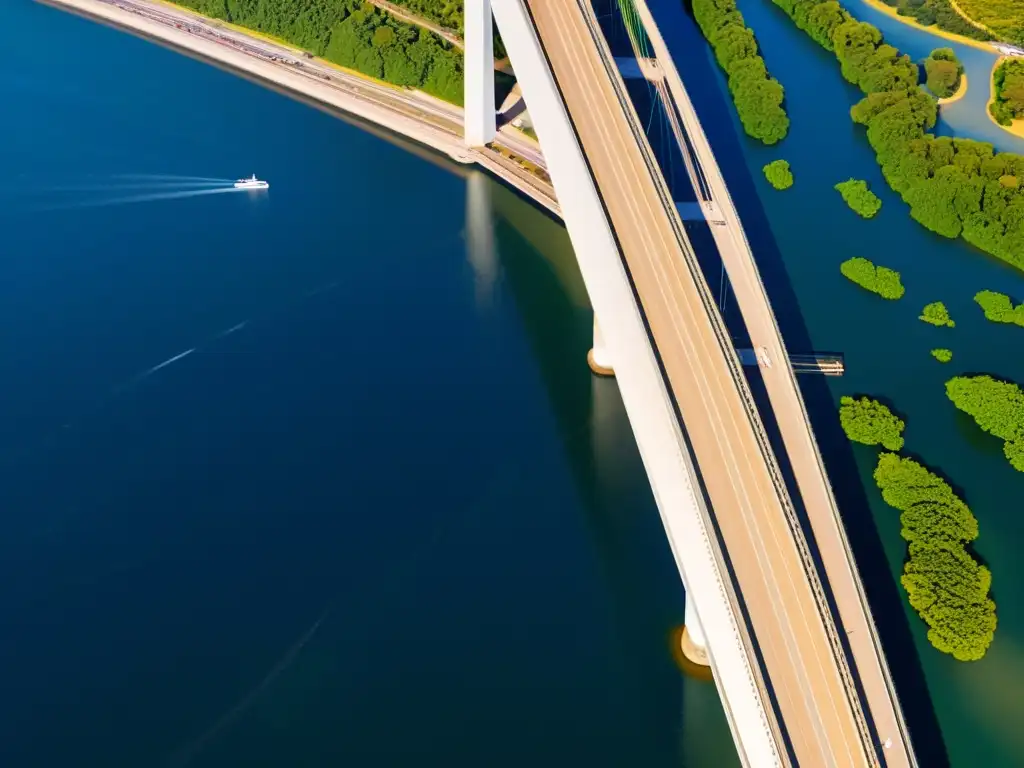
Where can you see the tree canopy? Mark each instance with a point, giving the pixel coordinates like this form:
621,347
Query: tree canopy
881,280
757,95
997,407
1008,84
946,586
859,197
944,72
354,34
937,314
954,187
779,174
942,355
870,422
999,308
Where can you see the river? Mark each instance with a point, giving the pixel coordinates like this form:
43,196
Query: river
964,714
373,510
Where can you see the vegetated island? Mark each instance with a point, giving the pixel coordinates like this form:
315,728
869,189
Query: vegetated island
942,355
757,95
779,174
1004,18
870,422
356,35
881,280
937,314
944,73
938,13
947,587
998,307
1007,104
997,407
955,187
861,199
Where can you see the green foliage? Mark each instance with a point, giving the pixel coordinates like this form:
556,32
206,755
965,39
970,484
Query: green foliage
353,34
445,13
937,314
939,13
999,308
859,197
881,280
944,72
942,355
1004,17
757,95
1008,84
870,422
946,586
778,174
997,407
952,185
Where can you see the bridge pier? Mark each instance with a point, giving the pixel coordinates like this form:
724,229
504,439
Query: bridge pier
694,644
598,358
480,117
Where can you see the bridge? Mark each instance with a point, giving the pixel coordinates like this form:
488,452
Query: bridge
774,606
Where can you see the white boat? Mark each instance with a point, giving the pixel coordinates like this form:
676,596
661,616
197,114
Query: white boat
252,183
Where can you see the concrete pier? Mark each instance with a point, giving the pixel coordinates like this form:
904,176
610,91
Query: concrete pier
481,119
598,358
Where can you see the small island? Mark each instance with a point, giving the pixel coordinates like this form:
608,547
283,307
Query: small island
881,280
870,422
937,314
861,199
997,407
779,174
945,584
999,308
942,355
1007,104
945,75
757,95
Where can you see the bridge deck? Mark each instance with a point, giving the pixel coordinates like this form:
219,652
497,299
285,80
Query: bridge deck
819,714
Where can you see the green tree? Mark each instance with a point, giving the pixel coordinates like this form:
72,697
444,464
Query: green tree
944,72
997,407
757,95
999,308
870,422
937,314
779,174
861,199
942,355
881,280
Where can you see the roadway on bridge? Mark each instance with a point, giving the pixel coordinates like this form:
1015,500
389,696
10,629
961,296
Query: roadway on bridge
750,504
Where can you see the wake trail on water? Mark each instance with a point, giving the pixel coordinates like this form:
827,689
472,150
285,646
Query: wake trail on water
132,199
151,186
170,177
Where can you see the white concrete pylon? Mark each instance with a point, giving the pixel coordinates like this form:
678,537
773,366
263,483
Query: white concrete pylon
598,358
478,67
694,644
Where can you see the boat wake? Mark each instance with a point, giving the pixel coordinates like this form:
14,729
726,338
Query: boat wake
133,199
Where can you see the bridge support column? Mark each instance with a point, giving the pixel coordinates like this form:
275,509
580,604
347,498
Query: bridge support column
480,118
597,357
694,645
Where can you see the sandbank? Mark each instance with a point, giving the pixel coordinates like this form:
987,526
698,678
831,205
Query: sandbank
1017,126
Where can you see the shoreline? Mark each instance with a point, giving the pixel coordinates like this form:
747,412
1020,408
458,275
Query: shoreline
410,114
960,92
1016,128
888,10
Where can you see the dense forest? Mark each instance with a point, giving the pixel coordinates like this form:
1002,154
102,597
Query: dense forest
758,96
939,13
997,407
955,187
1008,83
943,72
446,13
881,280
353,34
1004,17
944,583
999,308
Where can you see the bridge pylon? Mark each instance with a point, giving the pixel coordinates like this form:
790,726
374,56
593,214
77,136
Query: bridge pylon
598,358
480,115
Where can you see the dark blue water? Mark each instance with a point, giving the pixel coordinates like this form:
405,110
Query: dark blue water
390,519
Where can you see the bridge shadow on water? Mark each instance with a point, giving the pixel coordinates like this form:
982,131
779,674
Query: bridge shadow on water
703,82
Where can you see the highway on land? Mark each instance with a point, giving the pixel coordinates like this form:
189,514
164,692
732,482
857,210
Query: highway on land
792,629
791,414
